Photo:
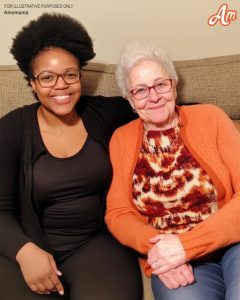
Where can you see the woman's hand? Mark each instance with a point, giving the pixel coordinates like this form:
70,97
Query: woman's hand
167,253
39,270
180,276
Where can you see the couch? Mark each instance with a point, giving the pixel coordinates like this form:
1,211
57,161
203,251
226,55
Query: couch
213,80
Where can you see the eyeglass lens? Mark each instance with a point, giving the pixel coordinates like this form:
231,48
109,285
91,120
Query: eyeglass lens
48,79
160,87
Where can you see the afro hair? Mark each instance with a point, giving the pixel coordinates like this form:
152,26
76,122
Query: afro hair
51,30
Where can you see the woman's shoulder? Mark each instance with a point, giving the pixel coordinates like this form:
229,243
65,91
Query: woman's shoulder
108,112
200,107
202,111
129,131
109,105
15,114
12,122
205,118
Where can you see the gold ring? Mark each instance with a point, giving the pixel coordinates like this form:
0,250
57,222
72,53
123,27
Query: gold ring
157,264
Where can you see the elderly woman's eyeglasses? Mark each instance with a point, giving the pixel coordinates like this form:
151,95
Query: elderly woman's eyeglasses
160,87
49,79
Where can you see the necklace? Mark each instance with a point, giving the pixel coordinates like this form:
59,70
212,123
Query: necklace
44,127
56,132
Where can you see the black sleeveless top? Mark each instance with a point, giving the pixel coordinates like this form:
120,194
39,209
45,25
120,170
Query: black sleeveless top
70,192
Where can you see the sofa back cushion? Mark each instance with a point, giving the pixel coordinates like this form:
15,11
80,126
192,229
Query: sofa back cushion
213,80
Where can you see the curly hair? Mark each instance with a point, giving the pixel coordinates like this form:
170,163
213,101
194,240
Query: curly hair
51,30
136,51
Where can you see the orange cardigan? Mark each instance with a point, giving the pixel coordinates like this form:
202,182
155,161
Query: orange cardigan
214,141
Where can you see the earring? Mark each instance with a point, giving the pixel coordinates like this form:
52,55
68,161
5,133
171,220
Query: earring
134,111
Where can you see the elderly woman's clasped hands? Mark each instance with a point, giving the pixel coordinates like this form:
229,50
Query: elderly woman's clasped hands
168,260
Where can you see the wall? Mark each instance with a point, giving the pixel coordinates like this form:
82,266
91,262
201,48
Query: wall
179,26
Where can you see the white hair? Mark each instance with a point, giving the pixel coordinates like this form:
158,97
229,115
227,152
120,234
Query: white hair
136,51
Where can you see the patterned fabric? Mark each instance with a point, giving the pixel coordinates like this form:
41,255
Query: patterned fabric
169,185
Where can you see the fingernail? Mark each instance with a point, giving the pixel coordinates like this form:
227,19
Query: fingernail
59,273
61,293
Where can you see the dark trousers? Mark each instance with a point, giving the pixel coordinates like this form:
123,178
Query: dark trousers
101,269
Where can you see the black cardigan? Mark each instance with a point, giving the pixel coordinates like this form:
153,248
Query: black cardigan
20,147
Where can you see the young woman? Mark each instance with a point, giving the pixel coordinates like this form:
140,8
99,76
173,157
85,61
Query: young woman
55,172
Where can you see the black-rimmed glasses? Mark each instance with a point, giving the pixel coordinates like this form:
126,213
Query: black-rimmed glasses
49,79
160,87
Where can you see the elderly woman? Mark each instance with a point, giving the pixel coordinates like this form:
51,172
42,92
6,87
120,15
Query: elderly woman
175,193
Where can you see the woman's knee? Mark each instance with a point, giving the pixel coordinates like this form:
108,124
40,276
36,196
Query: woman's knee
208,284
13,285
231,272
161,292
103,270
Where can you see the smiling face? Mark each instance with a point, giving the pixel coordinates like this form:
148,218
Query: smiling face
61,98
156,110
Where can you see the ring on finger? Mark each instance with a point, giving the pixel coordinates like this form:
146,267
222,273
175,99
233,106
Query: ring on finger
157,264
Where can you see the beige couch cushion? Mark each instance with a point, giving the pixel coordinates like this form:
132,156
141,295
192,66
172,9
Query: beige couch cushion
211,80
